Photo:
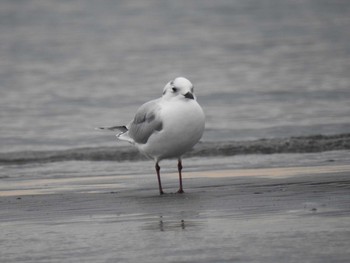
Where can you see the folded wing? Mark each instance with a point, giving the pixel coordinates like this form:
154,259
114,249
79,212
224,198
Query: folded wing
146,122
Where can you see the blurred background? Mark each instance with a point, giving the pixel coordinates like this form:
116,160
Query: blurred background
261,69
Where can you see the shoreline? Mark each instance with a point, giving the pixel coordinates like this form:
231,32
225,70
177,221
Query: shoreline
120,183
124,152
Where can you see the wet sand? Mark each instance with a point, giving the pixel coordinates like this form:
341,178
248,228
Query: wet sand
284,214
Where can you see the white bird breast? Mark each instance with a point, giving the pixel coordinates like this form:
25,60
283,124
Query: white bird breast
183,126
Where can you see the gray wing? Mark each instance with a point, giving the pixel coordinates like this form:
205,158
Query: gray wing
145,122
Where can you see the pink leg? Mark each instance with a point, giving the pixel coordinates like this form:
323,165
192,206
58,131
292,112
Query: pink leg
159,182
179,167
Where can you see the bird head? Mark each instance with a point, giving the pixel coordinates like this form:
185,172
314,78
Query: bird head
180,88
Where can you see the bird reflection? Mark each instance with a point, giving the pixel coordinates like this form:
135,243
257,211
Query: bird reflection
165,224
171,225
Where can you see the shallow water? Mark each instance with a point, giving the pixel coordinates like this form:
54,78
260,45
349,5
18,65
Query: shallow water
247,217
153,238
260,69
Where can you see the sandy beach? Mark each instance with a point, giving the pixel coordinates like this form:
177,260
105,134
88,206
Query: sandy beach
277,214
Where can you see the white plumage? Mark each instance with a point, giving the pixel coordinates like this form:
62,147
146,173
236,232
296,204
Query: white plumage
166,127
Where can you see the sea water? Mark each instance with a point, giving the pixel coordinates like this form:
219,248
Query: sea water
261,69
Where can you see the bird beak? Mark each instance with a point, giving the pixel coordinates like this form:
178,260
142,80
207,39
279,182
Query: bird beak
189,95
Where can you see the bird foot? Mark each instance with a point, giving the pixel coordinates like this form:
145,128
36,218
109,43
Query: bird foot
180,191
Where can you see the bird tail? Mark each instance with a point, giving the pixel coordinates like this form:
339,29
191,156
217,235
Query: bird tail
122,135
122,129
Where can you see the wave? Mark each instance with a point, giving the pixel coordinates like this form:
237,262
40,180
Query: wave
304,144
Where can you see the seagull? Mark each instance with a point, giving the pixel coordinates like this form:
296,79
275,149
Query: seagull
167,127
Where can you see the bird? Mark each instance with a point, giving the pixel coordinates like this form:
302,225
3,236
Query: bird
167,127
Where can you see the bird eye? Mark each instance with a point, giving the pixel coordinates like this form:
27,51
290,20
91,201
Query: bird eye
192,89
174,89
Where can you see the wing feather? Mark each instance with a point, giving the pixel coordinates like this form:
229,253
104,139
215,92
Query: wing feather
146,122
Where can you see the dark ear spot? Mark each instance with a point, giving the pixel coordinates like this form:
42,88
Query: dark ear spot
159,127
